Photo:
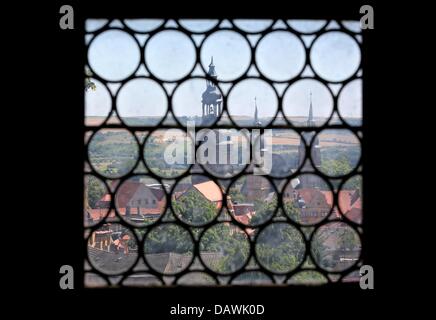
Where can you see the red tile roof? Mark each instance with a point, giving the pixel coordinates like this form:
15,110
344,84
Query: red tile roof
209,190
97,214
309,194
350,204
128,189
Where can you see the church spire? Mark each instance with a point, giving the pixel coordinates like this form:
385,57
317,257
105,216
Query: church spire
310,121
256,116
212,71
255,110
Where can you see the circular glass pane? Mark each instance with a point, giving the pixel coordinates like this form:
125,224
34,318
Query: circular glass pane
166,152
114,55
252,102
168,248
308,102
140,200
280,56
112,249
335,246
224,248
231,54
307,199
223,152
335,56
279,152
196,200
170,55
141,102
335,152
252,200
197,101
113,152
280,247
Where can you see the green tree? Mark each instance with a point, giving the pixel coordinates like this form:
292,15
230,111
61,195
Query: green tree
264,210
280,247
193,208
95,189
354,183
292,211
168,238
228,240
336,167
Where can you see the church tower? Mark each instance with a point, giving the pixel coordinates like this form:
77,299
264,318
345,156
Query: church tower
211,110
306,182
211,98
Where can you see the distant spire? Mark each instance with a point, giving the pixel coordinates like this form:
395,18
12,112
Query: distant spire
212,71
310,121
255,109
256,116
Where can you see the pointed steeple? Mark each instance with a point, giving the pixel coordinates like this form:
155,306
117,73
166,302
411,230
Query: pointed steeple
256,116
255,110
212,71
310,121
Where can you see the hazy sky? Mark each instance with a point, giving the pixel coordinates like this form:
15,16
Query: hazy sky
170,55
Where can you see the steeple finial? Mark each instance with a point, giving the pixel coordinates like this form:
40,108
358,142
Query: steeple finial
211,61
